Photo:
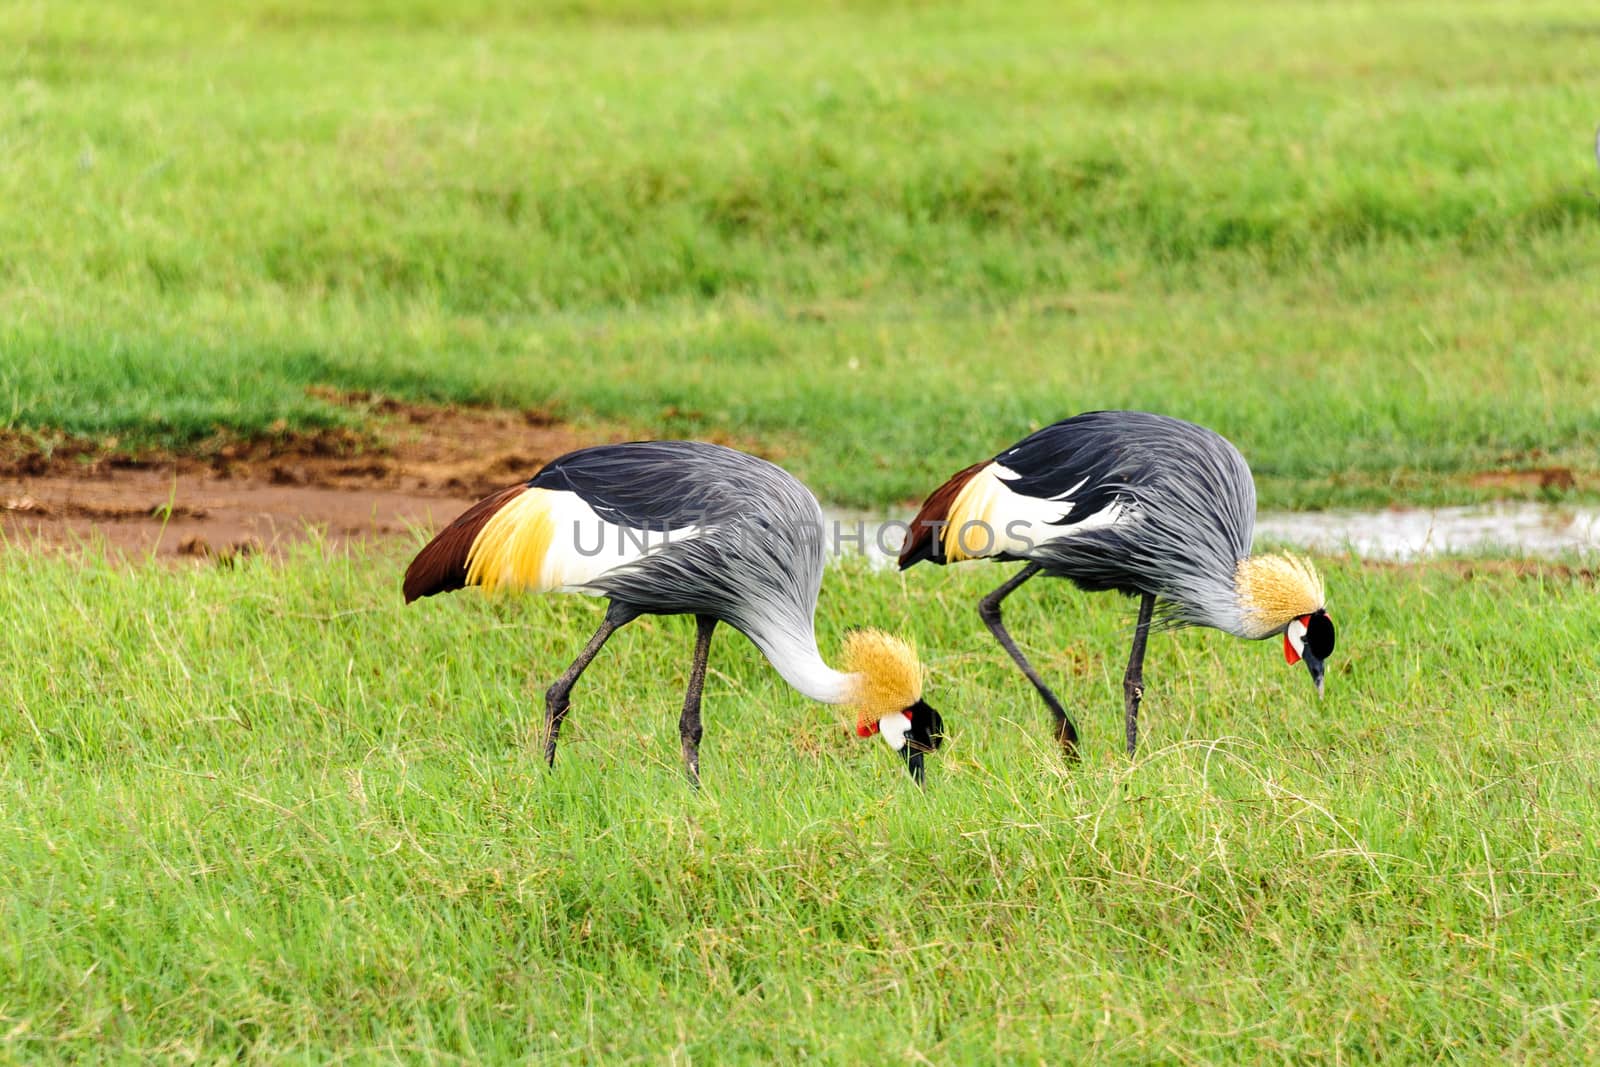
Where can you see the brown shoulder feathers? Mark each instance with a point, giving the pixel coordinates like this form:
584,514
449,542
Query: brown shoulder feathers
442,564
925,541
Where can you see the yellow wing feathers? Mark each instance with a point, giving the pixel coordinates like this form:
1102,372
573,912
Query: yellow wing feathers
513,545
971,530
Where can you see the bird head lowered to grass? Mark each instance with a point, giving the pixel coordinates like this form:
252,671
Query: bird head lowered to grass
682,528
1149,505
1282,593
887,696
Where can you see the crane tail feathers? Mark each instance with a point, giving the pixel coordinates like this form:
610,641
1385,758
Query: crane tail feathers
925,541
441,566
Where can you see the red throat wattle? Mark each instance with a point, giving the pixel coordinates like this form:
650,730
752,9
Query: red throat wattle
1291,655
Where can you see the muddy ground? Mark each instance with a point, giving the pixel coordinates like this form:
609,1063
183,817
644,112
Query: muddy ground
410,470
418,468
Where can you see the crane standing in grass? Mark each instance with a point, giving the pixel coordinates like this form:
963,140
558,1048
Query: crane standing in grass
1150,505
682,528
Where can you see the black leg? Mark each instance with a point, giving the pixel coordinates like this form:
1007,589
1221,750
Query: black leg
989,611
1133,681
555,698
689,730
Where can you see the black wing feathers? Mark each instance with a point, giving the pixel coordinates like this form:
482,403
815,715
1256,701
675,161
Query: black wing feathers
643,485
1085,459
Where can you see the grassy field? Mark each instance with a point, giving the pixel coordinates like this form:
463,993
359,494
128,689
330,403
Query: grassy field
269,812
1359,239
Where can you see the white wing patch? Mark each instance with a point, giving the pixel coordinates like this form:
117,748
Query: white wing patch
990,519
1009,474
545,539
584,547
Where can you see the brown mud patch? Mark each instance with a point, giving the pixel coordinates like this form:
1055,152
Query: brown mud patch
1547,479
415,466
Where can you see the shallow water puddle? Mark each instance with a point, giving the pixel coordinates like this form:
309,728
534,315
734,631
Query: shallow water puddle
1417,533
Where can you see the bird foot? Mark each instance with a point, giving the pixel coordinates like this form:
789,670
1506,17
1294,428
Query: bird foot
1067,738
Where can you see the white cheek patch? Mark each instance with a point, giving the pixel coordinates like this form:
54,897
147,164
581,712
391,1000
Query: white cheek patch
894,728
1296,633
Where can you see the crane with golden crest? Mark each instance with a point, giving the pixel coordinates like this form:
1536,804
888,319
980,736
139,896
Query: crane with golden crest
682,528
1150,505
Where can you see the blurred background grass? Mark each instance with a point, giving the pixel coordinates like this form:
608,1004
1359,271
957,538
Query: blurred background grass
877,241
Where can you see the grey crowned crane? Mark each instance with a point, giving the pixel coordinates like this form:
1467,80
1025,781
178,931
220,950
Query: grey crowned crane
1150,505
682,528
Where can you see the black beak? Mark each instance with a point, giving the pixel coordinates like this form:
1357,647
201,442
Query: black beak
1316,667
926,734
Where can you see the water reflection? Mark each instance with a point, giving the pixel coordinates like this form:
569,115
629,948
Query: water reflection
1416,533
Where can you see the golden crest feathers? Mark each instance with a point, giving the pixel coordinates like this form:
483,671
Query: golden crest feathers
1276,589
888,674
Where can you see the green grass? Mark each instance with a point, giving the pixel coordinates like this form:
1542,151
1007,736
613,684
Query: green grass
268,812
881,240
